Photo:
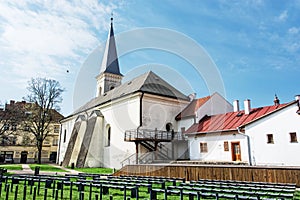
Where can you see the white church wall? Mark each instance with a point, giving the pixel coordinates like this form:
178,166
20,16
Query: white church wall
282,151
158,111
215,147
122,115
66,127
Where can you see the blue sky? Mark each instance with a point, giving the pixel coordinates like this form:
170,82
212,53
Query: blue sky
254,44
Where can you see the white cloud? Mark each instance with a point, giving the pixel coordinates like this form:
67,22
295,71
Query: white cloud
44,38
283,16
46,32
294,30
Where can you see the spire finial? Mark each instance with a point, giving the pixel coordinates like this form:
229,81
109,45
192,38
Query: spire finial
276,101
112,17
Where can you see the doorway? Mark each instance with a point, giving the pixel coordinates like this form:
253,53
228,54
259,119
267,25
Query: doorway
236,151
23,157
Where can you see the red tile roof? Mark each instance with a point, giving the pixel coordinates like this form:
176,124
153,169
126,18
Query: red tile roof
230,121
190,110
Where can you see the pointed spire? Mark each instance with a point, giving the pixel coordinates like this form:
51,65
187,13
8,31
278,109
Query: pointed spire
110,63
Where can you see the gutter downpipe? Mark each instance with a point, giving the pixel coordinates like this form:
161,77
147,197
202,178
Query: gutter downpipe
248,144
141,124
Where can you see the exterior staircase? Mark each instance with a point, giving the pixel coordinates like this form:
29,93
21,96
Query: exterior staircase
155,142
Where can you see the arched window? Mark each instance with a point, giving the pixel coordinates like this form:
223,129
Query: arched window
108,135
169,127
112,87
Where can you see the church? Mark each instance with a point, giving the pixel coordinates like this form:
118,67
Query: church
131,122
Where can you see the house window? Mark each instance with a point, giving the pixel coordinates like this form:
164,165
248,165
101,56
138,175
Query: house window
226,147
203,147
46,142
56,129
293,136
45,154
108,133
55,142
270,139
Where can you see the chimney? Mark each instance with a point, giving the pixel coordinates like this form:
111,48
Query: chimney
236,106
247,106
276,101
297,97
192,96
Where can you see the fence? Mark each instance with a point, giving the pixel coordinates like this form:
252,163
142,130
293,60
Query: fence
217,172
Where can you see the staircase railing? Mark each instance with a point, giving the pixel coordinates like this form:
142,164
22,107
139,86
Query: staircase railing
143,158
147,137
152,135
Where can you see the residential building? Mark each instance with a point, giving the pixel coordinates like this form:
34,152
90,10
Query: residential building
198,108
18,144
256,136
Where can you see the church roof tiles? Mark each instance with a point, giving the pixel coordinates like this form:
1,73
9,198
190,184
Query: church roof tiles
148,83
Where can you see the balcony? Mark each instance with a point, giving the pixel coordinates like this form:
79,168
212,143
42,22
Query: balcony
152,135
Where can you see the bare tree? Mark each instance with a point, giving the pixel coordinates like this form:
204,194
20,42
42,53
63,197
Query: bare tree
45,96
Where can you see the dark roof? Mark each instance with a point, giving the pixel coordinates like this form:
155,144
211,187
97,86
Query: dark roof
232,120
110,57
148,83
19,108
190,110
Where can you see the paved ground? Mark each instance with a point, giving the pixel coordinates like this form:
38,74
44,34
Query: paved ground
26,170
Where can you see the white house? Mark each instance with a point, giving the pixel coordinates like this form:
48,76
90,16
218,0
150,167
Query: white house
124,121
274,136
259,136
198,108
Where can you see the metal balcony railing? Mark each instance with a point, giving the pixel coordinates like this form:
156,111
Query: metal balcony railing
150,134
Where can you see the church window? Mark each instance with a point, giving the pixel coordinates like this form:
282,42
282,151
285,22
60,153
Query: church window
65,135
168,127
270,139
293,136
108,136
112,87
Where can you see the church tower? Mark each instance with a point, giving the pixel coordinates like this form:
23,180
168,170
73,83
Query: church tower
110,76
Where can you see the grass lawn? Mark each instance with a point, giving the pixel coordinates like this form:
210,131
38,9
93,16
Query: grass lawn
95,170
45,167
12,167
